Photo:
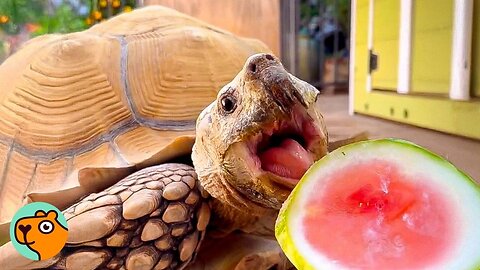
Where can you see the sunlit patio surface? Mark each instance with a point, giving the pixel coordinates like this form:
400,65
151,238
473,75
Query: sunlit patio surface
462,152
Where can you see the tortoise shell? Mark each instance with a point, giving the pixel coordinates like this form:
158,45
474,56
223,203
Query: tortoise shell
82,110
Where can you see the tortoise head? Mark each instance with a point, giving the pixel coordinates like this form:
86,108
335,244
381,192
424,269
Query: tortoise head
260,135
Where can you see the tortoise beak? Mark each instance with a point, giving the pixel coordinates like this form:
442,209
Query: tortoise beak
278,83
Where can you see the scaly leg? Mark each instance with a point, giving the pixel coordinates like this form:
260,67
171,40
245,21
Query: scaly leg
154,218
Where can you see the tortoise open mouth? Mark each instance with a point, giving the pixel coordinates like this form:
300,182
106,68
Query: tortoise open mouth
286,148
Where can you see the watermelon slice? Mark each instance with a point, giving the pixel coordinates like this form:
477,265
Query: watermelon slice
382,204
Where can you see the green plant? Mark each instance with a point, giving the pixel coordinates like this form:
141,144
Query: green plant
64,20
57,16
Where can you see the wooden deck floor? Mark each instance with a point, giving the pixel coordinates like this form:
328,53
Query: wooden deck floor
462,152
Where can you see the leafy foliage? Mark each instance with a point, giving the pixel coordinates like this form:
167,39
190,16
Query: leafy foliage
23,19
40,17
57,16
18,13
64,20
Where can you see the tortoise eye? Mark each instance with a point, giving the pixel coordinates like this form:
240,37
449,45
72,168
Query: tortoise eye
229,103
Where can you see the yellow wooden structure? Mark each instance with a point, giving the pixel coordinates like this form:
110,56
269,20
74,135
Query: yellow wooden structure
432,92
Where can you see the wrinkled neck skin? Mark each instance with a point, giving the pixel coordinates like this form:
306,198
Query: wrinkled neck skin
228,219
233,211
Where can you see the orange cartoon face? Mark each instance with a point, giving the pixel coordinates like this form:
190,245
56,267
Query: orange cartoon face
42,233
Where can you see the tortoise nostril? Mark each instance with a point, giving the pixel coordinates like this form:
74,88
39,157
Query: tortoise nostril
24,229
269,57
252,67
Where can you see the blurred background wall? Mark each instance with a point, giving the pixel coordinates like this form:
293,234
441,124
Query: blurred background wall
248,18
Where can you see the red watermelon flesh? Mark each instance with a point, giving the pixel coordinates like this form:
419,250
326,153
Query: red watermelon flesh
382,204
387,221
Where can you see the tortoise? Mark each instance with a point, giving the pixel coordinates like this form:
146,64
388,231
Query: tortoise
83,108
107,125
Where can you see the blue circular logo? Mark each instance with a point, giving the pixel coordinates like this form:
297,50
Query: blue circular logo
38,231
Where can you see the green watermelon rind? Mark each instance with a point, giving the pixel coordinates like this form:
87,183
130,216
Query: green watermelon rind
282,232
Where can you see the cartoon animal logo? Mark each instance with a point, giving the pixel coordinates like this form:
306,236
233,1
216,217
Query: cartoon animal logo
41,233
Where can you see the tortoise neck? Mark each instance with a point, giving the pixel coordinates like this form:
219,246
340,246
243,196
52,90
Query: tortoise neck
232,210
228,218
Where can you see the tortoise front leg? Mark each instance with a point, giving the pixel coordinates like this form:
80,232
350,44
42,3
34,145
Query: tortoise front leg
152,219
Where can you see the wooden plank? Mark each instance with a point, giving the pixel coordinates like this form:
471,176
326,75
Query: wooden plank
386,28
246,18
461,50
432,46
405,47
442,114
361,52
476,50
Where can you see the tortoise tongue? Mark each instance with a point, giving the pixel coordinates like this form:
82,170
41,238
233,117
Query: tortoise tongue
289,159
